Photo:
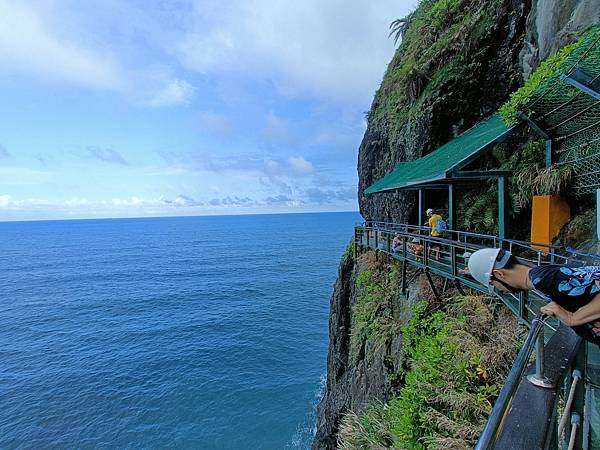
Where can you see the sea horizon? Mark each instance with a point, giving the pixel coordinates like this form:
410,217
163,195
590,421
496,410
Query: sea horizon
207,332
236,213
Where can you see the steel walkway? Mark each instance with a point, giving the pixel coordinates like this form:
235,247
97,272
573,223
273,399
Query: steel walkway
511,424
448,256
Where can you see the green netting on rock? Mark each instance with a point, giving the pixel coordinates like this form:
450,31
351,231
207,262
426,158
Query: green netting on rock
567,113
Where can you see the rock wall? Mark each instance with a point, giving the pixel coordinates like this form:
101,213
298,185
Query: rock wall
353,382
551,25
525,32
460,104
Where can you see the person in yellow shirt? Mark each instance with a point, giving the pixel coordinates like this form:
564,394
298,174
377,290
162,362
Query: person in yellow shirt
432,222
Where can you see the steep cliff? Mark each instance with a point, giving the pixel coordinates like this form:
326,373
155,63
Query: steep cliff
458,62
359,371
429,95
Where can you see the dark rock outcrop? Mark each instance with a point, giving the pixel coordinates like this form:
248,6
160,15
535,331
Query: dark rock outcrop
460,104
352,381
551,25
525,31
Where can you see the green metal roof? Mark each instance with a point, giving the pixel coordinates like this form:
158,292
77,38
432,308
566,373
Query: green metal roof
438,164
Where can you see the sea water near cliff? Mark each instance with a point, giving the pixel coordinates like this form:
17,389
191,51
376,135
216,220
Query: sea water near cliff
196,332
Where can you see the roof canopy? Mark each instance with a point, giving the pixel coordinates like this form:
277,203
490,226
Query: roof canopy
440,164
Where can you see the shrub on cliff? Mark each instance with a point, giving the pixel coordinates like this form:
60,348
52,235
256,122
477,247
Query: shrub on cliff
377,293
440,45
458,359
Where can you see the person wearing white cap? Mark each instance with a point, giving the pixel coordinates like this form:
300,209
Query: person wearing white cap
573,294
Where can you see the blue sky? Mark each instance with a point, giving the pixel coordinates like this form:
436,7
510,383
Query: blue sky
114,108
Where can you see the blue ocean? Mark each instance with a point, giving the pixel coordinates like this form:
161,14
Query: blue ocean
187,332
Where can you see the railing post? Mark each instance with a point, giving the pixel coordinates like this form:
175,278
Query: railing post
575,424
404,277
538,378
522,303
489,435
453,260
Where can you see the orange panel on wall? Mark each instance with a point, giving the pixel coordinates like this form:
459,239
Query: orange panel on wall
548,215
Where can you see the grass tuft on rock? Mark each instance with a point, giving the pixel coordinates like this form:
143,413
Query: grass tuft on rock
457,361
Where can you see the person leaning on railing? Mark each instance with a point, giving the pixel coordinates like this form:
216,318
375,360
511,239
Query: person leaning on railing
396,243
573,294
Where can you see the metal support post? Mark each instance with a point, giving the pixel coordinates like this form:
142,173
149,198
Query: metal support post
451,208
522,305
432,286
404,277
502,207
548,152
538,378
459,287
421,206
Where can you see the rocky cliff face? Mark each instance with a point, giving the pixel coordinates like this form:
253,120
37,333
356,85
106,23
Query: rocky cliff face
353,381
486,61
553,24
456,104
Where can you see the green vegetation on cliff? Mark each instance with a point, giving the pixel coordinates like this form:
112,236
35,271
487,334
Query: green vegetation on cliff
457,359
548,71
374,318
437,48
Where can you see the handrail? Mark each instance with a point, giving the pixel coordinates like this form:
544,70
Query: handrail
378,224
384,225
451,263
545,253
490,432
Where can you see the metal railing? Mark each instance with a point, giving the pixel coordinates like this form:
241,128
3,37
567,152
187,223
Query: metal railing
490,433
447,256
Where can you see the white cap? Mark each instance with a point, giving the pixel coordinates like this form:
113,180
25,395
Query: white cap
429,211
483,262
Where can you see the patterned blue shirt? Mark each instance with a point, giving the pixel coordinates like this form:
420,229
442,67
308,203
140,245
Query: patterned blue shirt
571,288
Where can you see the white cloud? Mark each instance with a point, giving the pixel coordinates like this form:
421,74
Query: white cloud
174,92
21,176
327,49
26,45
5,200
300,166
31,44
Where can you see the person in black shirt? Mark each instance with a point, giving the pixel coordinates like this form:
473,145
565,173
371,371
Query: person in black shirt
573,294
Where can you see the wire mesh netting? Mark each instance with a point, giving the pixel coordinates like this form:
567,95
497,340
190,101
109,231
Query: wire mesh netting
570,115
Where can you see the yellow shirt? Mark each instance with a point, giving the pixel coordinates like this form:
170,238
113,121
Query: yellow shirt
433,220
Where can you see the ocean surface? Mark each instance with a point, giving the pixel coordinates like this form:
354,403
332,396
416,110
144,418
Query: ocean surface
196,332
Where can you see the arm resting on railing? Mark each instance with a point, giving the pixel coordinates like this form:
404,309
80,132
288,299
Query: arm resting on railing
585,314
